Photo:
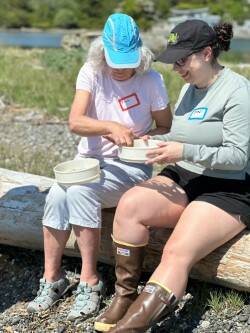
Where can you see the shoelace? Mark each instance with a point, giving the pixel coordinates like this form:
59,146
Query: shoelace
83,295
84,290
42,292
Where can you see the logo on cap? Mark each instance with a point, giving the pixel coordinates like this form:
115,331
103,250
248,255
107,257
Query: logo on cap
173,38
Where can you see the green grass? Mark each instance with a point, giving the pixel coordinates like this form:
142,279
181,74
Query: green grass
39,163
236,57
45,79
42,79
172,80
226,303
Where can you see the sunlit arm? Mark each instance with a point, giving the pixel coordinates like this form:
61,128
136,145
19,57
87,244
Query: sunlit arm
84,125
163,121
80,123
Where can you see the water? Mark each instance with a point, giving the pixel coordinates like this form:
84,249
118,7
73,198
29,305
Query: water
31,39
240,45
53,40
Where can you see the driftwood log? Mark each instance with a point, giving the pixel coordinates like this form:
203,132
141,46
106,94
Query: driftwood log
22,199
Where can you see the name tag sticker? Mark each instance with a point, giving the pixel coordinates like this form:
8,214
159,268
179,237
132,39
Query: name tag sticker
123,252
129,102
149,289
198,114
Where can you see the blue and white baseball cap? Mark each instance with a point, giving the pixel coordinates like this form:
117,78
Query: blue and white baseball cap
122,42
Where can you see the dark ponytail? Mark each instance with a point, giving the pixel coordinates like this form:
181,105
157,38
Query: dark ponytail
224,32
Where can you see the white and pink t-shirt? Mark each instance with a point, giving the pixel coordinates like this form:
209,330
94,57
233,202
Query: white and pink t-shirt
129,102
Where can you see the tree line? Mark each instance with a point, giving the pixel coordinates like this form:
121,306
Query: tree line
91,14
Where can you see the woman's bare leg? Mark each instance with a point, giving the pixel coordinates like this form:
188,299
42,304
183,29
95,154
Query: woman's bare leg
158,202
201,229
88,240
54,244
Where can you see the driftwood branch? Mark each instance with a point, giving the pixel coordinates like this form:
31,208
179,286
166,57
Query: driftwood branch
22,199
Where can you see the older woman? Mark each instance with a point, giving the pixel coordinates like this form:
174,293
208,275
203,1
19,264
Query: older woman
118,97
204,195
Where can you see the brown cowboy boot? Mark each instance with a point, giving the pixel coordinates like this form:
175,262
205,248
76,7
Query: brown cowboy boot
129,261
151,306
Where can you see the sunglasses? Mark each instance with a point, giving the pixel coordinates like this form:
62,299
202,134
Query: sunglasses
181,62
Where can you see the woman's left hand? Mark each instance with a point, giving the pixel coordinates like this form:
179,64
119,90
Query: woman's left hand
168,152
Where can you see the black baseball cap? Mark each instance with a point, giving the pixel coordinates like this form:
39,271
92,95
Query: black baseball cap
187,38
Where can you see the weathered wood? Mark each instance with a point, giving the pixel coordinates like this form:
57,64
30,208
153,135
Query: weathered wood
22,198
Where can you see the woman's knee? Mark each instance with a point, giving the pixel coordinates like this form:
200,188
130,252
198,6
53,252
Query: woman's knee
127,208
128,222
84,207
75,192
56,196
57,236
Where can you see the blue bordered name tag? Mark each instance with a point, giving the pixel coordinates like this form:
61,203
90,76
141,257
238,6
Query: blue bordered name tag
198,114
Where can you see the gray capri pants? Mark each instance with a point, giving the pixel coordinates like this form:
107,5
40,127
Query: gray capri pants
81,205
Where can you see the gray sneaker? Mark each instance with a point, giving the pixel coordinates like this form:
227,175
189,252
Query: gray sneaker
48,294
88,300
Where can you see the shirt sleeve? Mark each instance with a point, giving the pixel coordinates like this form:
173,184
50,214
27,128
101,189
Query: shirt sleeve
168,136
158,92
233,154
85,78
162,137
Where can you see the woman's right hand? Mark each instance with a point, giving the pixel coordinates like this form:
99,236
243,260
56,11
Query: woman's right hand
120,135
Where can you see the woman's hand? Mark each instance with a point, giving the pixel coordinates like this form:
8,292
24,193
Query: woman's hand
145,137
168,152
120,135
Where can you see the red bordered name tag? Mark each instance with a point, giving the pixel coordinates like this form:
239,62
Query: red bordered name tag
129,102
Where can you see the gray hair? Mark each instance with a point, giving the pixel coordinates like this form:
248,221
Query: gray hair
96,57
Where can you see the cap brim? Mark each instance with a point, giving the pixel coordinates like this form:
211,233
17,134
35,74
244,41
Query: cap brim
171,55
117,59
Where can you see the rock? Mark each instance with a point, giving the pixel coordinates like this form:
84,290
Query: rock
61,329
243,318
205,324
229,326
2,104
79,39
15,320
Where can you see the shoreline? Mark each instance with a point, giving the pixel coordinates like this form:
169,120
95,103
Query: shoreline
239,31
81,38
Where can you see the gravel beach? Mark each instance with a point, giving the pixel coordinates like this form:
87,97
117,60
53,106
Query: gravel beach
29,132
